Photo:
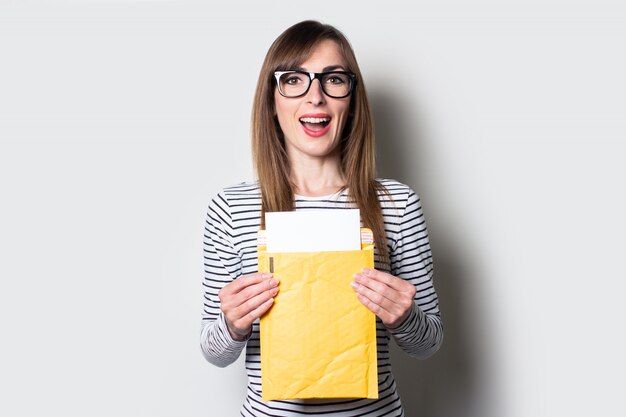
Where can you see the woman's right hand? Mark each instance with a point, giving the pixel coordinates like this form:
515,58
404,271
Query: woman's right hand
246,299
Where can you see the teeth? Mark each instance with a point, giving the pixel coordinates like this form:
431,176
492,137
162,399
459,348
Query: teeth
315,119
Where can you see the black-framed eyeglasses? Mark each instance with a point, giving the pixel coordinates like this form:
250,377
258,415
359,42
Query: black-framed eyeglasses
335,84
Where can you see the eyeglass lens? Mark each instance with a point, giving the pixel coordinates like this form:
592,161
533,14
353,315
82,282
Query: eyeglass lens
334,84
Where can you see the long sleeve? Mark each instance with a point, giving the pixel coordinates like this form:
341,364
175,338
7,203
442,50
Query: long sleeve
421,334
222,264
230,247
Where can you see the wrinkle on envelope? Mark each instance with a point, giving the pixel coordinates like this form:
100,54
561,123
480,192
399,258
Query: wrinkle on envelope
318,340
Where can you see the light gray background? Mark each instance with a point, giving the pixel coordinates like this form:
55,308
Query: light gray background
119,120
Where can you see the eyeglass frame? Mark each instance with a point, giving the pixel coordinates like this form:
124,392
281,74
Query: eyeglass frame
313,76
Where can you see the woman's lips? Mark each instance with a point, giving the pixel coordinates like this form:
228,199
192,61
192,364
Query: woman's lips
315,125
316,133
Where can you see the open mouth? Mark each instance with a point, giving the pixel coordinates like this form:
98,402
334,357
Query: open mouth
315,124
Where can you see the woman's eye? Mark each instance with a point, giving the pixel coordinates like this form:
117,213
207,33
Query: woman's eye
293,80
335,79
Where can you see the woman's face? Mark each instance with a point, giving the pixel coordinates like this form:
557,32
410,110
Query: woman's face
313,123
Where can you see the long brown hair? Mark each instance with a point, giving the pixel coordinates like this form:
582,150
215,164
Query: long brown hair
288,51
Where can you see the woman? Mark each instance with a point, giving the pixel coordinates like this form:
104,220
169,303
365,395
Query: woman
313,147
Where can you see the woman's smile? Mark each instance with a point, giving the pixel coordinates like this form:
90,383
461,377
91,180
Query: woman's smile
315,125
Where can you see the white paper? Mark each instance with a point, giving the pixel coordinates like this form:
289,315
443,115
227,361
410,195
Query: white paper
313,230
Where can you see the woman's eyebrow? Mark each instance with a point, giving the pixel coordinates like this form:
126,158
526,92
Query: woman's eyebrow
326,69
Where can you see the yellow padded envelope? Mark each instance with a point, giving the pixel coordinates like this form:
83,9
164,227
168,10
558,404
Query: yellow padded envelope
318,340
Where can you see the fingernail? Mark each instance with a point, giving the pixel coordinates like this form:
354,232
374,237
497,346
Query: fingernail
274,291
366,271
358,277
354,285
273,282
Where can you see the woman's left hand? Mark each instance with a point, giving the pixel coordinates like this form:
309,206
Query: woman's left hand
390,298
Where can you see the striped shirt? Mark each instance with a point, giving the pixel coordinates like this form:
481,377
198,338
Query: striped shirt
230,251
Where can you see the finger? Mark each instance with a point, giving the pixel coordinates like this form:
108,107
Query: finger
246,321
400,301
384,302
252,303
387,279
401,291
379,311
230,300
247,280
260,310
390,319
242,325
253,291
377,287
227,294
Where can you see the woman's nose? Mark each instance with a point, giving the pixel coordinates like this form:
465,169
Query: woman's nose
315,94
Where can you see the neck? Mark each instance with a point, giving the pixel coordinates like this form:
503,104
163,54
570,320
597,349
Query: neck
317,177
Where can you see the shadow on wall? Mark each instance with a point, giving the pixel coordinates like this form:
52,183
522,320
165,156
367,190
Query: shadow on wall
450,383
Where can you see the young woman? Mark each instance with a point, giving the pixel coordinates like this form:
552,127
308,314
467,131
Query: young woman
313,147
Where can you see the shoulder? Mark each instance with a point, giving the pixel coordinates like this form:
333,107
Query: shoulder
396,194
393,186
228,198
242,189
239,191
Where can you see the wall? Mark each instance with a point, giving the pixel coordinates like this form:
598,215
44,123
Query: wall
120,119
